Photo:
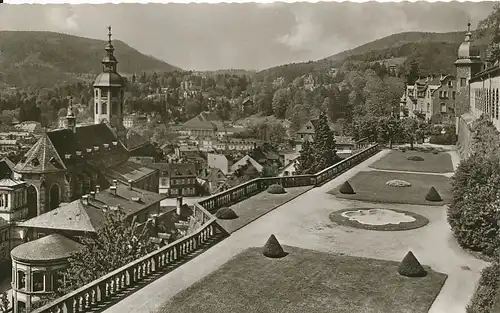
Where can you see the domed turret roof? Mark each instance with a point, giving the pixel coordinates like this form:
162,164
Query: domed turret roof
467,49
107,79
49,248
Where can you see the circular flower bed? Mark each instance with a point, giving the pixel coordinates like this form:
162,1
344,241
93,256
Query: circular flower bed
378,219
415,158
398,183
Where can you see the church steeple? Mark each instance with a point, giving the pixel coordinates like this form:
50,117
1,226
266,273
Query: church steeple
70,116
109,62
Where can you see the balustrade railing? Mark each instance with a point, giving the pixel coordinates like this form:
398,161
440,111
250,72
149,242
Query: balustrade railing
99,291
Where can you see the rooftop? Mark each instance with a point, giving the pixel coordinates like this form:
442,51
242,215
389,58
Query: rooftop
128,171
175,169
49,248
89,217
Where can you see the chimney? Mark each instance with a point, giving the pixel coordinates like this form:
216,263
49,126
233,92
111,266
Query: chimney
115,182
92,195
97,189
85,199
130,184
179,205
113,190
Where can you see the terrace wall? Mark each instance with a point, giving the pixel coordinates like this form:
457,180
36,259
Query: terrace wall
98,292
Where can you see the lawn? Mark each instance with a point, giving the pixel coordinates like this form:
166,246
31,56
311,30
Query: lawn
307,281
370,186
397,161
254,207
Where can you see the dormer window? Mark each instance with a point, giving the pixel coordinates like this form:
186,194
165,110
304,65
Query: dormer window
106,145
54,162
35,162
96,148
89,150
78,153
67,156
115,143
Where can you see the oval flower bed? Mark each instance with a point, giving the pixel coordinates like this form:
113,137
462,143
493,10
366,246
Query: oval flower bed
378,219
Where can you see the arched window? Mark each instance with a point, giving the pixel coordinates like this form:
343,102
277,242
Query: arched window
54,196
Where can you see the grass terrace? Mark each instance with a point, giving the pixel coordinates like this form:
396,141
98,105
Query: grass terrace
397,160
331,283
371,186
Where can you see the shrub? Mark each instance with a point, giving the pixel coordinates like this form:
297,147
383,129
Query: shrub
415,158
446,139
273,249
487,289
226,213
346,188
276,189
473,212
398,183
433,195
411,267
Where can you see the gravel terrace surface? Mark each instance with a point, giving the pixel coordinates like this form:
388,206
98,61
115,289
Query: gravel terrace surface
304,222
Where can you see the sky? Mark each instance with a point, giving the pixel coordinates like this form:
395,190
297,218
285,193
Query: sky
243,36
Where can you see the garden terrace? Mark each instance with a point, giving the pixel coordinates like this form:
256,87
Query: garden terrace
117,284
371,186
432,163
251,282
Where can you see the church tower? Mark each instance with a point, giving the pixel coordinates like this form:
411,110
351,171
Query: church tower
468,64
108,90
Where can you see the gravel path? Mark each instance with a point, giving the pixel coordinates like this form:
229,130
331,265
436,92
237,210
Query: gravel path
304,222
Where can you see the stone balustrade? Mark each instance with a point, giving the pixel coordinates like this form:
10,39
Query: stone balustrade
97,292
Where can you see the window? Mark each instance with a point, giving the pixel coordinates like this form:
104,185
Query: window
96,108
463,82
38,281
97,92
21,280
1,201
428,108
454,94
443,107
450,84
21,306
440,94
164,181
104,108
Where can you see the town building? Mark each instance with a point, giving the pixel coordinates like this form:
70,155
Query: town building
176,179
212,180
87,215
219,161
134,120
432,98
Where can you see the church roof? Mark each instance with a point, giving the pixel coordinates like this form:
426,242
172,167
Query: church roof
128,171
95,144
109,80
43,157
48,248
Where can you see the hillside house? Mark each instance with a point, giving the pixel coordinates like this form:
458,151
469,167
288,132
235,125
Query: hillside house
211,179
219,161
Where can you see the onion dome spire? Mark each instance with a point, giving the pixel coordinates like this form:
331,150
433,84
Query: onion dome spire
109,61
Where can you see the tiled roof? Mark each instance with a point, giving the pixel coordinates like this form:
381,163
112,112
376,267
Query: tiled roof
8,162
30,126
43,157
80,216
7,182
48,248
85,141
128,171
175,169
133,140
346,140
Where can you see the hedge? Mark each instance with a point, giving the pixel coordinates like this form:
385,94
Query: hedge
487,290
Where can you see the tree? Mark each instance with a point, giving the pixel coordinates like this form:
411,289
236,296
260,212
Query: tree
4,302
388,129
306,159
413,73
117,243
324,151
410,127
281,100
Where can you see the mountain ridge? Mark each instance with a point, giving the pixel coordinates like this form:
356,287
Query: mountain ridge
63,57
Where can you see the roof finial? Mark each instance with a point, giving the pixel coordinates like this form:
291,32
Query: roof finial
468,25
109,34
70,107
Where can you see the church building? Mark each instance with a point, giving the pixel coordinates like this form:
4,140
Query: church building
67,163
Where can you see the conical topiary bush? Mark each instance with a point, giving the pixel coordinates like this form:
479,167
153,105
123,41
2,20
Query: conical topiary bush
273,249
346,188
433,195
411,267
